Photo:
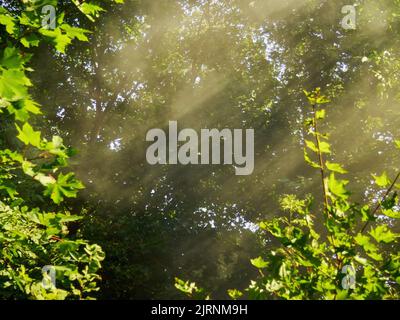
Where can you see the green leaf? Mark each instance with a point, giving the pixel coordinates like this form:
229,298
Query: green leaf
335,167
361,260
89,9
367,214
31,106
56,147
30,41
60,40
320,114
11,191
376,256
66,186
322,100
186,287
8,22
27,167
309,161
22,108
44,179
382,181
311,145
259,263
73,32
234,294
11,58
325,147
361,239
315,97
68,217
13,85
342,294
370,248
382,234
57,142
28,19
337,187
272,226
29,136
391,213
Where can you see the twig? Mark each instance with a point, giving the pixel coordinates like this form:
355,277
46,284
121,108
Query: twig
380,202
321,161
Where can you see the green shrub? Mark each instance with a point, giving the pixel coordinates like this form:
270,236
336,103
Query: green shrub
33,168
352,255
30,240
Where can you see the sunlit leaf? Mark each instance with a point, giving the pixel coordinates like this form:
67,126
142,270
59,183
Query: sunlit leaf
311,145
29,136
335,167
325,147
382,181
382,234
259,263
338,187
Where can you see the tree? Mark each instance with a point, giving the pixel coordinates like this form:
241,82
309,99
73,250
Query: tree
236,64
30,237
354,256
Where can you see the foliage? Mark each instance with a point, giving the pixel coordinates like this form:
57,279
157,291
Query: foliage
29,237
354,256
190,289
220,64
31,240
